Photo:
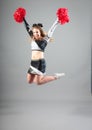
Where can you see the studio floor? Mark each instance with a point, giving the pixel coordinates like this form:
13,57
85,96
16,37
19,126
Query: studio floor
46,115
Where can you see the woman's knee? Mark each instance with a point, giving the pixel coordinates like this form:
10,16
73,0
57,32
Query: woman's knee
29,78
29,81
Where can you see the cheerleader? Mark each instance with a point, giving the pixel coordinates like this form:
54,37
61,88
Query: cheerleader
39,40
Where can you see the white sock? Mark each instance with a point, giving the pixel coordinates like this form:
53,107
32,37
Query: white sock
59,75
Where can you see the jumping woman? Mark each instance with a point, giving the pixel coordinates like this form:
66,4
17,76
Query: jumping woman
39,40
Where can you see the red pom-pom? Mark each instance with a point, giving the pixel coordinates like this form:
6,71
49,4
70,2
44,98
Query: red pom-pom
62,14
19,14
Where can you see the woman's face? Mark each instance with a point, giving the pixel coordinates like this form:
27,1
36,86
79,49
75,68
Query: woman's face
36,33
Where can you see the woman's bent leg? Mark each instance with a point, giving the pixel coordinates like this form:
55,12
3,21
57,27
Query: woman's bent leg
39,80
30,78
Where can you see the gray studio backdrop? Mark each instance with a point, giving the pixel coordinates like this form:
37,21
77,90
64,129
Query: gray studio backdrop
70,52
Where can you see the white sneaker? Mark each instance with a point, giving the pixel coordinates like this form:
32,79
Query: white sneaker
59,75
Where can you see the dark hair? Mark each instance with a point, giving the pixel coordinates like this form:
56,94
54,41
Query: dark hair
39,24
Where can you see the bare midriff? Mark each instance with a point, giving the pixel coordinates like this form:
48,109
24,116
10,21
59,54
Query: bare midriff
36,55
